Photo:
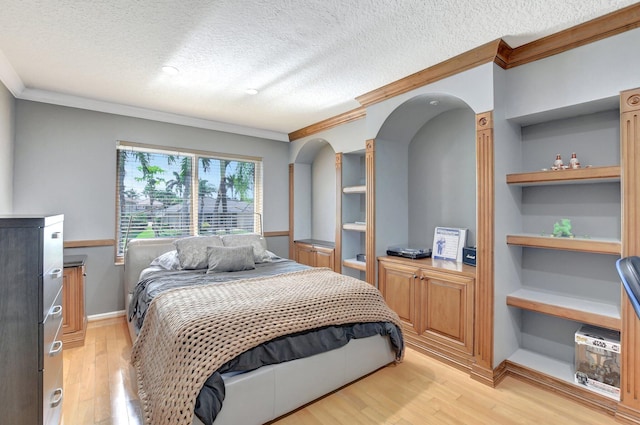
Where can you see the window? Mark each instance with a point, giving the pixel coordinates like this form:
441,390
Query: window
164,193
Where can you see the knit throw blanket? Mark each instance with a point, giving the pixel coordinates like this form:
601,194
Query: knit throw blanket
188,333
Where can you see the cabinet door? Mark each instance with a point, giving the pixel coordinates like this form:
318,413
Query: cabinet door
73,313
324,257
446,310
67,299
397,283
304,254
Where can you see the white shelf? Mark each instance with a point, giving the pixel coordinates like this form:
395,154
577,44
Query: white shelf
352,263
355,189
539,362
357,227
567,307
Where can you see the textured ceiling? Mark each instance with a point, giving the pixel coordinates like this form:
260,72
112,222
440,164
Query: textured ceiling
308,58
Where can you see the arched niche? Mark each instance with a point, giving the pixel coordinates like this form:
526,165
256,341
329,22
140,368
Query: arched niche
425,171
314,196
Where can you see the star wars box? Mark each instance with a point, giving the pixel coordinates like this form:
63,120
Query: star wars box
597,362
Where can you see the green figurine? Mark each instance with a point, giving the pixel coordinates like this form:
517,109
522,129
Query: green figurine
562,229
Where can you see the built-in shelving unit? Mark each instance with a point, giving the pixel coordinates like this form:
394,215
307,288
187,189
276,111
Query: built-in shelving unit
353,214
565,282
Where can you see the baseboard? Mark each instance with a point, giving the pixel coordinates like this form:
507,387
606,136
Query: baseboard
105,316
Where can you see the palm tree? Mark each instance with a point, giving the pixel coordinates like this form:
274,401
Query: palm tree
143,159
220,208
204,190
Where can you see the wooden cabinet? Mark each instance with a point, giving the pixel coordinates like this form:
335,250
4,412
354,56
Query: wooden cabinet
435,301
315,253
31,319
74,322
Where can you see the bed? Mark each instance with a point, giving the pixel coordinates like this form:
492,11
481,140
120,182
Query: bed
271,390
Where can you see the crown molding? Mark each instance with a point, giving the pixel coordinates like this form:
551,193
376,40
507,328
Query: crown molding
596,29
149,114
471,59
503,55
10,77
352,115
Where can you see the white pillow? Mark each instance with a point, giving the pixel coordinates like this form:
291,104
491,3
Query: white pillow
259,244
168,261
192,251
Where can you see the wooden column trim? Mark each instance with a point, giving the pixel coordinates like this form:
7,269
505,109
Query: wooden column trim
291,200
629,407
482,370
338,240
370,248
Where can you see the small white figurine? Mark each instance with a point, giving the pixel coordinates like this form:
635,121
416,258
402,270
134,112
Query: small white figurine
573,162
557,164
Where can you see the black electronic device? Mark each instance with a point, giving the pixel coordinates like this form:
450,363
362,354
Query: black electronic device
413,253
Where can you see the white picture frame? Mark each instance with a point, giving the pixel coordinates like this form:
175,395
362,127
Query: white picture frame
448,243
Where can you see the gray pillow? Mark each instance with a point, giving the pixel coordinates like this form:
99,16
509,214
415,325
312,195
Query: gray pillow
192,251
168,261
259,244
230,259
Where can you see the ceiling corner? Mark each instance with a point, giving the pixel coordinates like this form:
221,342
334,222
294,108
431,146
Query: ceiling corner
9,77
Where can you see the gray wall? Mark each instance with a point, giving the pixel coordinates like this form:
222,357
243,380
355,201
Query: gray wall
7,134
442,177
323,195
65,162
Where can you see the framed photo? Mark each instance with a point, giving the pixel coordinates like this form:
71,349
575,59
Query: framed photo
448,243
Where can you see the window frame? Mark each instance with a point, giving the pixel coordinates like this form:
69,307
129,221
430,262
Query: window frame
195,155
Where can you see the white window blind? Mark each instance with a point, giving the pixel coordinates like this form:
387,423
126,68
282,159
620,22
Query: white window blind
165,193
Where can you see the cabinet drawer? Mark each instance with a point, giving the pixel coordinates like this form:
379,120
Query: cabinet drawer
52,391
51,283
52,249
51,341
52,364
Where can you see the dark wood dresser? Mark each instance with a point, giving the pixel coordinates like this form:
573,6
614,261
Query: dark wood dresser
31,269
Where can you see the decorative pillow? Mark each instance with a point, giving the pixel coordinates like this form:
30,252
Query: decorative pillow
192,251
230,259
168,261
259,244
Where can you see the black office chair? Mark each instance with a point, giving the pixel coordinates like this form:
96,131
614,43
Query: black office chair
629,271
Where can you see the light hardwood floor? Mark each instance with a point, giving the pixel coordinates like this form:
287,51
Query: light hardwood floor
420,390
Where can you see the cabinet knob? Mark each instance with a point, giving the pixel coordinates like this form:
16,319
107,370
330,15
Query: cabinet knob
421,277
56,273
415,276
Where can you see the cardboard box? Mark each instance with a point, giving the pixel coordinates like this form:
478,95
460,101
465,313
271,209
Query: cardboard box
597,360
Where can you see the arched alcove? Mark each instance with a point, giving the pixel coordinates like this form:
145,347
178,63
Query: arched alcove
425,171
315,191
